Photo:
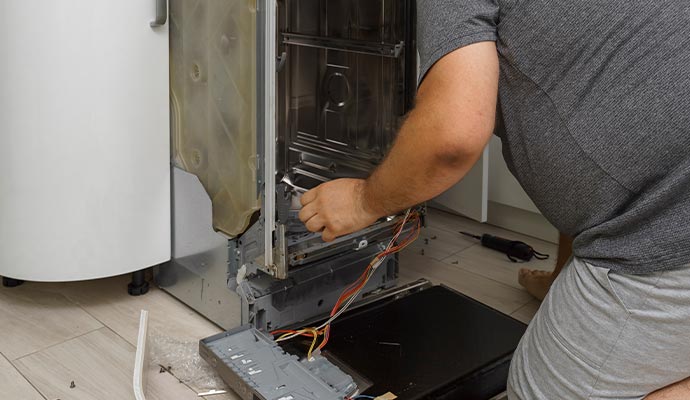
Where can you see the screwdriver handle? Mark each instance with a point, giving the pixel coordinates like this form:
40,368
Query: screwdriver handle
519,250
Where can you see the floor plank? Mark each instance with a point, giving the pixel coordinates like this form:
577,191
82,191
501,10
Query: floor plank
13,384
439,243
454,223
174,328
35,320
100,364
107,301
526,312
495,265
497,295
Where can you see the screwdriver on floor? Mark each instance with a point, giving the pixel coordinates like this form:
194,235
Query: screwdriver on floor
515,250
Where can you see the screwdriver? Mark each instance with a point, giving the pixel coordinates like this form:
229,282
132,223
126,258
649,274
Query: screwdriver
515,250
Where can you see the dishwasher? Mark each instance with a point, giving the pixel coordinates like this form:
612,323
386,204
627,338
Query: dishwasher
270,99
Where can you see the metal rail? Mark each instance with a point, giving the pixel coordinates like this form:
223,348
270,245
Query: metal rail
391,50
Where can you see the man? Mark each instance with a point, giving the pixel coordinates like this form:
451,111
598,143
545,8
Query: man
596,103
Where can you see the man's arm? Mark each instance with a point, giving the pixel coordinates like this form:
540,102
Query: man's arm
442,138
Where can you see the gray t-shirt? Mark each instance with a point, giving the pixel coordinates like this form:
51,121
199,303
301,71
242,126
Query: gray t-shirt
595,97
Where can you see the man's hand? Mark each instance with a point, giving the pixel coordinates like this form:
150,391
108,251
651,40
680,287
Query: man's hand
337,208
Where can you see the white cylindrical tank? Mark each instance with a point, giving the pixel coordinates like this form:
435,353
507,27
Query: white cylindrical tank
84,139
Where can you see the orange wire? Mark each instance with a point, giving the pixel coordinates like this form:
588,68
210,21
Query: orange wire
357,285
409,239
283,331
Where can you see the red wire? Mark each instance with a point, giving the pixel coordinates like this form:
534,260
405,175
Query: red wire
357,285
412,235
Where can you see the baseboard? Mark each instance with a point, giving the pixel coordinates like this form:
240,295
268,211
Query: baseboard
521,221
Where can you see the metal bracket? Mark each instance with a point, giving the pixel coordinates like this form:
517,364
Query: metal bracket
267,10
281,61
354,46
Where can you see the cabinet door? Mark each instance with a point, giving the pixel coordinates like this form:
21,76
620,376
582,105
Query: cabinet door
503,187
470,196
84,138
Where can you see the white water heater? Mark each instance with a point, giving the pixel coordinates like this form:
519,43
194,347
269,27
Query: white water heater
84,138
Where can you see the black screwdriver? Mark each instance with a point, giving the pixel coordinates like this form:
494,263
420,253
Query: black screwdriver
515,250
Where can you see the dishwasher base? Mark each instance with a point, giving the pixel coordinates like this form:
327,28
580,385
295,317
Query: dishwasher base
433,343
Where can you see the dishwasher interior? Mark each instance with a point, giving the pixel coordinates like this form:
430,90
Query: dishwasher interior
346,77
269,99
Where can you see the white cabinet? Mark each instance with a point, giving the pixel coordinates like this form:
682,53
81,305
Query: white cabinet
509,206
470,197
84,138
503,187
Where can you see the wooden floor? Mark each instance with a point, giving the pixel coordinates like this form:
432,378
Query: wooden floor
76,341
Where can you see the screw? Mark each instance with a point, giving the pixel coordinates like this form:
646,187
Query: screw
72,385
456,262
426,241
434,237
422,252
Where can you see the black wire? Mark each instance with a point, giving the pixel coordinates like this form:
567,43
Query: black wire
540,256
534,253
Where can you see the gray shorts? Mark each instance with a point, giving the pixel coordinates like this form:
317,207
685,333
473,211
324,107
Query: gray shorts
605,335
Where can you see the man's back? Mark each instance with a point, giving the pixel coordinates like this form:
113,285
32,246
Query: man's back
596,102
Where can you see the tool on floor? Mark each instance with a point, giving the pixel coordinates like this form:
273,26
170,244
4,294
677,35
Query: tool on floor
515,250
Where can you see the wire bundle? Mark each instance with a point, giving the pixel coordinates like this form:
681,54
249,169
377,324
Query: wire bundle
350,294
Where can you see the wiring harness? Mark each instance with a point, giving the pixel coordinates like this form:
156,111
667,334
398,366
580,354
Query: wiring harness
350,293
